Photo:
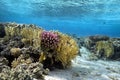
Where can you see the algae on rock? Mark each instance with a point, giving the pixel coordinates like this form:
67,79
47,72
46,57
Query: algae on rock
104,48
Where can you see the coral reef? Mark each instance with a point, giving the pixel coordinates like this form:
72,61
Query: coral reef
61,55
28,51
90,41
24,72
100,45
104,48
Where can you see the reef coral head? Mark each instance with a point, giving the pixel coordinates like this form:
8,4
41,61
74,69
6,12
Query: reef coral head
49,40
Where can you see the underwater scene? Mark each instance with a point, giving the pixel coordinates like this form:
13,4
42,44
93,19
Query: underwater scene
59,40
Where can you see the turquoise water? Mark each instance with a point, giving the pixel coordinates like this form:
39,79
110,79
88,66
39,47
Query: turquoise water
80,17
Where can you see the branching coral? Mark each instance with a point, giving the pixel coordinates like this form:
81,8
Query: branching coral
12,29
67,50
24,72
22,59
28,32
31,35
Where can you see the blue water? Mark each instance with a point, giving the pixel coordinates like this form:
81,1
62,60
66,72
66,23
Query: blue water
80,17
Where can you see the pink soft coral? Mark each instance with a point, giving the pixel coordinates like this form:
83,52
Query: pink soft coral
49,40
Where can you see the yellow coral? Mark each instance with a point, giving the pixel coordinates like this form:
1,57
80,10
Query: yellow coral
25,41
14,63
15,51
12,29
42,57
67,50
106,46
32,34
20,60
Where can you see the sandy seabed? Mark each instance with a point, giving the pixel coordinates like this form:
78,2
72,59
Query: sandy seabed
83,69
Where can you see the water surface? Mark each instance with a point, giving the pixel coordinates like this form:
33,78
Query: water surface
80,17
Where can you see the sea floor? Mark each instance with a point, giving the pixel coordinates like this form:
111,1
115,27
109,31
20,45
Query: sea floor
83,69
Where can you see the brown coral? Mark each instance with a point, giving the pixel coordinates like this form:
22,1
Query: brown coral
22,59
15,51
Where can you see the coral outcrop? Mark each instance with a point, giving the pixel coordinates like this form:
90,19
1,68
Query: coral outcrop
29,50
104,48
24,72
61,55
67,50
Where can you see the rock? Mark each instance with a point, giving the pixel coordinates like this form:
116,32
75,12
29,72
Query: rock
90,44
99,38
110,47
2,30
91,40
75,74
116,44
80,41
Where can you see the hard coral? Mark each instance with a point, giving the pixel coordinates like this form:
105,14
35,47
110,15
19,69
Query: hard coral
59,49
22,59
104,49
49,40
15,51
54,48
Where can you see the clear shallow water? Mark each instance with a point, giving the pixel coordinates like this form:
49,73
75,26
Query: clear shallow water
81,17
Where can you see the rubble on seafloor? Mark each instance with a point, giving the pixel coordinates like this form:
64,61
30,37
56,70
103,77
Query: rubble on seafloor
28,52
